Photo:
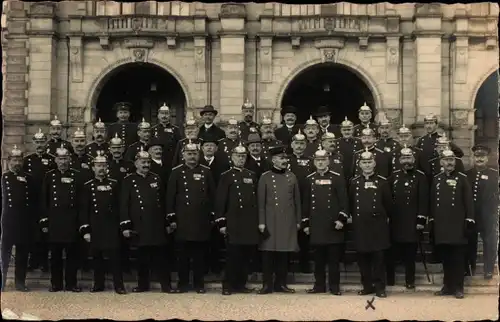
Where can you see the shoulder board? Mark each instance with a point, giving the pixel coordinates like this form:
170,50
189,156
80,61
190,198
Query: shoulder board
51,155
74,169
154,173
335,173
396,171
438,174
204,166
463,174
112,180
174,126
128,175
265,172
51,170
225,172
252,172
355,178
176,167
433,159
360,151
419,171
378,149
311,174
28,174
89,144
416,148
89,181
220,140
493,169
29,155
381,177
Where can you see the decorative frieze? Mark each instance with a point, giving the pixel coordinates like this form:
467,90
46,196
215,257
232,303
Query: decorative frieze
392,56
200,59
461,58
76,59
266,60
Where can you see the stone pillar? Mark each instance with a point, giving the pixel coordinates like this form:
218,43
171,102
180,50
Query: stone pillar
14,102
232,56
428,60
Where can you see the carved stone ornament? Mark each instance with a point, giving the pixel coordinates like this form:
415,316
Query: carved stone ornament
330,55
460,117
136,24
233,10
428,8
139,54
394,116
76,114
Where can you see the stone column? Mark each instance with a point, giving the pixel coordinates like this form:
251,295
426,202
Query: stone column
428,60
232,56
14,103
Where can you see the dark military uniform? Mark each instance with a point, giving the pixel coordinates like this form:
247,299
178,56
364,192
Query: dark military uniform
134,148
212,131
82,163
99,216
217,165
410,191
267,144
420,164
225,146
119,169
126,131
433,166
427,144
484,182
18,222
92,148
312,147
142,210
382,160
360,127
324,201
236,209
59,213
371,203
347,147
285,134
451,207
190,197
388,145
178,150
54,144
159,168
337,164
247,128
169,135
258,166
331,128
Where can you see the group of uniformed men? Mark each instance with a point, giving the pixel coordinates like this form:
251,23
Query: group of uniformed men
250,185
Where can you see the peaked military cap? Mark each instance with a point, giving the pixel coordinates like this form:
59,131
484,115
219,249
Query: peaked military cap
481,150
155,142
209,139
277,150
254,138
232,121
122,106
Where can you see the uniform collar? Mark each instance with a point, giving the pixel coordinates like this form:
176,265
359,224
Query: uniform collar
298,156
100,180
256,159
325,172
207,126
157,161
279,171
369,176
237,169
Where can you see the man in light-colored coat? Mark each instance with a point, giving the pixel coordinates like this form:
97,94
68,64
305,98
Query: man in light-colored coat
279,220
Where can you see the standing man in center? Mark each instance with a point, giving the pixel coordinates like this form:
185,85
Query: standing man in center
208,113
279,220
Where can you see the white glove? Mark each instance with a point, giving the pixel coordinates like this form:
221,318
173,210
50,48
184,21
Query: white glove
298,226
87,238
169,230
261,228
173,225
420,227
45,230
306,230
126,233
223,230
338,225
349,220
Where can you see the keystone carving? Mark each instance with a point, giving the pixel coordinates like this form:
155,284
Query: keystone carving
363,42
329,55
295,42
171,42
139,55
233,10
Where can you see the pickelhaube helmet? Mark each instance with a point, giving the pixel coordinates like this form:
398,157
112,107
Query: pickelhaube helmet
384,121
79,134
320,153
367,131
232,121
116,140
365,107
447,153
62,151
430,117
266,120
55,121
100,157
190,146
367,155
299,136
405,151
39,136
15,152
247,105
142,154
164,107
442,140
144,125
240,149
190,122
404,130
311,121
328,136
99,124
346,123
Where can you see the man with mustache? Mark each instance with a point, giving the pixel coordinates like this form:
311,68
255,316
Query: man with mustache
208,114
405,138
410,191
236,210
59,220
451,220
385,142
382,161
347,146
167,133
268,137
484,182
18,218
126,130
79,159
155,150
325,212
37,164
191,131
365,116
232,139
311,130
434,165
190,202
142,220
256,161
247,126
285,133
99,144
55,140
336,163
323,117
144,134
99,221
279,220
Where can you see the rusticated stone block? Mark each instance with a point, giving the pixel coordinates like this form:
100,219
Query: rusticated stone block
15,94
23,52
14,102
16,86
22,69
16,78
16,27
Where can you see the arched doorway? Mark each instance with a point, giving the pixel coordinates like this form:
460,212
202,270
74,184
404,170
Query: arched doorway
146,87
333,85
486,115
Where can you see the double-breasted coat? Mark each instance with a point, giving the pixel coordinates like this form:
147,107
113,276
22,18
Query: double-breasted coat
127,131
347,147
451,205
134,148
178,159
428,145
142,208
19,216
225,146
236,206
59,205
410,195
212,131
484,183
257,165
358,128
54,144
337,164
371,203
37,165
217,165
82,163
279,210
433,166
247,128
324,201
301,166
311,147
420,164
285,134
169,135
266,144
92,148
190,202
99,214
119,169
388,145
382,160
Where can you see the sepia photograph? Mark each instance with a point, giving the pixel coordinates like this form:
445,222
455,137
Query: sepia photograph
249,161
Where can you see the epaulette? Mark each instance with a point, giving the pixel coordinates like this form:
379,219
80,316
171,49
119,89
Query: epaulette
378,175
128,175
265,172
335,173
154,173
28,155
438,174
204,166
378,149
310,174
220,140
360,151
51,170
399,171
173,125
76,170
416,147
28,174
433,159
419,171
89,181
492,169
51,155
225,172
461,173
110,179
252,172
356,177
177,166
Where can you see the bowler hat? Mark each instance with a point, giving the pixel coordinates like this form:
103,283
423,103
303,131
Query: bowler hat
322,111
208,108
288,109
253,138
155,142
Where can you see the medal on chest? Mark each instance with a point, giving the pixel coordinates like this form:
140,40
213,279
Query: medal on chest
22,179
484,177
66,180
322,182
103,188
45,162
451,182
387,149
122,169
197,176
370,185
247,180
303,162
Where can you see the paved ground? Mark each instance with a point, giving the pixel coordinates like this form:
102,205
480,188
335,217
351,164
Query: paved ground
213,306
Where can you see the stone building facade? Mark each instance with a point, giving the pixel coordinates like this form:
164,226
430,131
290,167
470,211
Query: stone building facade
415,59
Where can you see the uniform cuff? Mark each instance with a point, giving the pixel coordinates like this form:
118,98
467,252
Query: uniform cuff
221,222
44,222
421,220
171,218
343,217
84,229
469,224
305,223
126,225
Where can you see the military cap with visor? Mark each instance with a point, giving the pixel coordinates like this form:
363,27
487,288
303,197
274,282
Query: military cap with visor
481,150
277,150
122,106
254,138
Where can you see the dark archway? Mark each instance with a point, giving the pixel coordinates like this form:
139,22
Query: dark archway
486,115
332,85
146,87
